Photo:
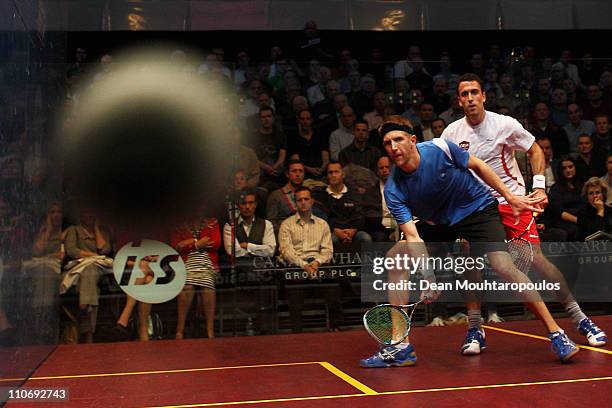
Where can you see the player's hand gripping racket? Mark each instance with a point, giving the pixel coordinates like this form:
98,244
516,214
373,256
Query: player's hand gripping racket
388,324
521,250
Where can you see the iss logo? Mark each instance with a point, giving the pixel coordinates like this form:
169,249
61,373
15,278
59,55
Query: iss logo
167,266
465,145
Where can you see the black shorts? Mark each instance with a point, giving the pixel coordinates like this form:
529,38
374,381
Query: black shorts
482,229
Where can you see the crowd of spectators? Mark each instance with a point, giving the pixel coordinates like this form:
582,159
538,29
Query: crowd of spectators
310,159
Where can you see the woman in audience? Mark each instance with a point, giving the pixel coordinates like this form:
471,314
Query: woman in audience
42,273
565,200
596,215
89,245
198,241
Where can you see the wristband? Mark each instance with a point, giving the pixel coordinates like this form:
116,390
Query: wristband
539,181
195,244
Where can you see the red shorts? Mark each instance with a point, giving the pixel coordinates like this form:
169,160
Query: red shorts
513,231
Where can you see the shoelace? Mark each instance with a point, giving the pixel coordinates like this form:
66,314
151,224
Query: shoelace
388,354
471,336
565,341
591,326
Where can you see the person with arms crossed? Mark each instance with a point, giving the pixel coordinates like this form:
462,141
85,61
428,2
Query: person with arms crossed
493,139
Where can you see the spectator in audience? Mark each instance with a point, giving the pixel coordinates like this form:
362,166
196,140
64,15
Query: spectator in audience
476,65
197,241
446,72
423,130
437,127
363,101
252,122
601,136
376,67
595,105
542,126
588,71
573,95
328,114
88,239
557,75
607,178
309,147
605,82
270,145
576,126
246,158
413,112
253,236
343,208
559,108
251,103
281,203
590,162
542,93
389,233
376,117
360,152
405,67
490,102
290,118
455,112
570,70
305,241
325,107
551,164
441,97
316,92
42,274
343,136
596,215
419,77
491,81
565,200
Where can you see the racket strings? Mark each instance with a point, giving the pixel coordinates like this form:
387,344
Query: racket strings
387,324
522,254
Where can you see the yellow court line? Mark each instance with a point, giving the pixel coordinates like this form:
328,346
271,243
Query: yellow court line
344,376
533,336
418,391
185,370
12,379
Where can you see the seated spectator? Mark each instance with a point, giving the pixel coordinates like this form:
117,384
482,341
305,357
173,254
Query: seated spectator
415,101
455,112
88,244
576,126
42,273
253,237
559,108
595,104
590,162
343,207
360,152
309,147
363,101
596,215
437,127
305,241
239,184
197,241
423,130
246,158
389,233
602,137
565,200
291,117
607,178
550,171
508,98
543,126
375,118
270,145
281,203
441,96
343,136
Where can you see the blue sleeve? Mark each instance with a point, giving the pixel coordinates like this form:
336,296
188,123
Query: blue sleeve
460,156
396,205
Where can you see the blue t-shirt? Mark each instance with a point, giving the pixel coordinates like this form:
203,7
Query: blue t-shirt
442,190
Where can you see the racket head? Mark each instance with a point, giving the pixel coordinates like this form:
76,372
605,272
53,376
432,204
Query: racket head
387,324
521,252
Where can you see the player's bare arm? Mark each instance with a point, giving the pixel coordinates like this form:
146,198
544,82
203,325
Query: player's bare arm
519,204
538,166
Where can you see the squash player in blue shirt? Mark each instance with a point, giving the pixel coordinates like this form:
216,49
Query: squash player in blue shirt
432,181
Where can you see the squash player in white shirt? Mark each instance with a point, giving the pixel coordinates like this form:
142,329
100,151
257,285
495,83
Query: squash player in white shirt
493,138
